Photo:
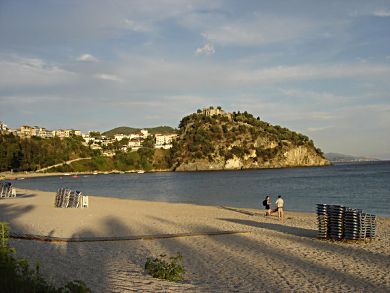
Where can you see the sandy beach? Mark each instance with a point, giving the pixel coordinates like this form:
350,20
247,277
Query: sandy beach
260,254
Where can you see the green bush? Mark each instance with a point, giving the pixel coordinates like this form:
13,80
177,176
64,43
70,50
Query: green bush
171,270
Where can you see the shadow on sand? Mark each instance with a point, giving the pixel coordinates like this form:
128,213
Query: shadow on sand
224,263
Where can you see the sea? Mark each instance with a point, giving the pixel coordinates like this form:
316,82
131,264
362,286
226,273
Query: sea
364,185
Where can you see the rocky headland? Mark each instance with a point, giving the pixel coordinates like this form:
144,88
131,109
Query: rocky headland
212,139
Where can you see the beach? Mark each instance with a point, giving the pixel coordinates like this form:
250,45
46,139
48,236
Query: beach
225,249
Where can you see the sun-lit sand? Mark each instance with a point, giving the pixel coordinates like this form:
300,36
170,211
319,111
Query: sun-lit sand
266,255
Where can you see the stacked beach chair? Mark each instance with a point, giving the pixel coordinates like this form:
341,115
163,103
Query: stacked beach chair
337,222
354,224
67,198
370,224
6,190
336,216
323,220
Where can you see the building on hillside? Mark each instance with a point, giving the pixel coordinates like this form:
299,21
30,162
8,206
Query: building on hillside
164,140
120,136
26,131
44,133
59,133
211,111
144,133
62,133
134,135
135,143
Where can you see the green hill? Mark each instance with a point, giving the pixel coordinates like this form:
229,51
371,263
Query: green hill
240,141
129,130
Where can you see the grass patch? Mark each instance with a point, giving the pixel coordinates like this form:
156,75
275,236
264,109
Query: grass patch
167,269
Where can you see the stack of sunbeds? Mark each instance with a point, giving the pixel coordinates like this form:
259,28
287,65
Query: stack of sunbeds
336,216
6,190
370,222
323,220
338,222
67,198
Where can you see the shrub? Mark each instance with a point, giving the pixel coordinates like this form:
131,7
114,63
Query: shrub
171,270
17,276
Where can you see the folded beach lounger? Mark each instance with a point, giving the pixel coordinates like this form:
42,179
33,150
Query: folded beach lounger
6,190
67,198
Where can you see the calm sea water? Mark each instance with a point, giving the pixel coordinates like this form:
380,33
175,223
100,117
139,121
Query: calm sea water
363,185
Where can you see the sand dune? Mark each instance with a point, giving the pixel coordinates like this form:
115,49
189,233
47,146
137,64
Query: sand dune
264,254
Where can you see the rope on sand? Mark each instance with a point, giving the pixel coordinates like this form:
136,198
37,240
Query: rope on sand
120,238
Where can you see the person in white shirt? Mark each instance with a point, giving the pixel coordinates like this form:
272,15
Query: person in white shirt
279,206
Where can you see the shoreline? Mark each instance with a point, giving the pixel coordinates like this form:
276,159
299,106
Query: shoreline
224,249
7,175
250,209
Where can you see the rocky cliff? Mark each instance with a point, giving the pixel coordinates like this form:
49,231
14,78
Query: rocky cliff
230,141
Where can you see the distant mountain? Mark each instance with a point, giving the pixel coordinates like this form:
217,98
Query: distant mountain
129,130
335,158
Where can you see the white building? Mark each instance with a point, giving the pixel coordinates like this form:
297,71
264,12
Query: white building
135,143
44,133
27,131
144,133
164,140
119,137
61,133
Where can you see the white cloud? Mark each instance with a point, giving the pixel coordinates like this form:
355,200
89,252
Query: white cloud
207,49
18,71
262,29
136,26
309,72
110,77
316,129
321,97
382,13
87,58
19,100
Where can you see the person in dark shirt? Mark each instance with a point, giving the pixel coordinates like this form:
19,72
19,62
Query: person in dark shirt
267,205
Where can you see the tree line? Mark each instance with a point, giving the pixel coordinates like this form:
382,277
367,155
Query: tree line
30,154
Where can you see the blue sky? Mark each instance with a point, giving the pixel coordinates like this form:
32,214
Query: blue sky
318,67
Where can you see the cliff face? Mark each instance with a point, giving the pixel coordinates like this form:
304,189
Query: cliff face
296,157
240,141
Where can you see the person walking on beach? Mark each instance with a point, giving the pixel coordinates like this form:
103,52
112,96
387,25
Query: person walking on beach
279,207
267,205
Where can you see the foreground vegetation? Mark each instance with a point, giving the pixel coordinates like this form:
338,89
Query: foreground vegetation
167,269
17,276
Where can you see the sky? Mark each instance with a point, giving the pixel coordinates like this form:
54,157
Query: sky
321,68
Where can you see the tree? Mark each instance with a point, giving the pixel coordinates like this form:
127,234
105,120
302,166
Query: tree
149,142
95,134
